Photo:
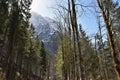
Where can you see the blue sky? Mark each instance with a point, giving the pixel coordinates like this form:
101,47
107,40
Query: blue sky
87,20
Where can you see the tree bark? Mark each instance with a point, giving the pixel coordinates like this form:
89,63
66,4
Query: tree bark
108,24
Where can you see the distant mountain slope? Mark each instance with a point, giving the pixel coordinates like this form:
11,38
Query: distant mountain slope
46,28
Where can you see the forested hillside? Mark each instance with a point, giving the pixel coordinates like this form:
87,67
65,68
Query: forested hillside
33,47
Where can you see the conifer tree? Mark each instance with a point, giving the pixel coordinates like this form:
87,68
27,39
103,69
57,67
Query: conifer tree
43,61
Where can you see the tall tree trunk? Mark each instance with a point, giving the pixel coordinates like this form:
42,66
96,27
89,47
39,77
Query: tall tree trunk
100,68
10,73
108,24
103,59
75,25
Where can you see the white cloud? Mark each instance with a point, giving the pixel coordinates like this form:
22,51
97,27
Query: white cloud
43,7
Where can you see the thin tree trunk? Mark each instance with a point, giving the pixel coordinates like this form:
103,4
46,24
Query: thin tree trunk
103,60
100,68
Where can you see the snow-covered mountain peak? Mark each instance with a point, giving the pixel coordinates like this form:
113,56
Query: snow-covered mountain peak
37,17
46,28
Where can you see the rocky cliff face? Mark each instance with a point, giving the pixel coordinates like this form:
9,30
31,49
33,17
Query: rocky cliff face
46,28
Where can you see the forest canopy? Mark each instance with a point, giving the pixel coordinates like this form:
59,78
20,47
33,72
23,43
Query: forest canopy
76,55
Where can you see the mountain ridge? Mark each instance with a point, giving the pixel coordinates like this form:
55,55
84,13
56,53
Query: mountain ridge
47,30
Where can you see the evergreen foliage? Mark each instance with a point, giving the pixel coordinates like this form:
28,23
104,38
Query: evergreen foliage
23,55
